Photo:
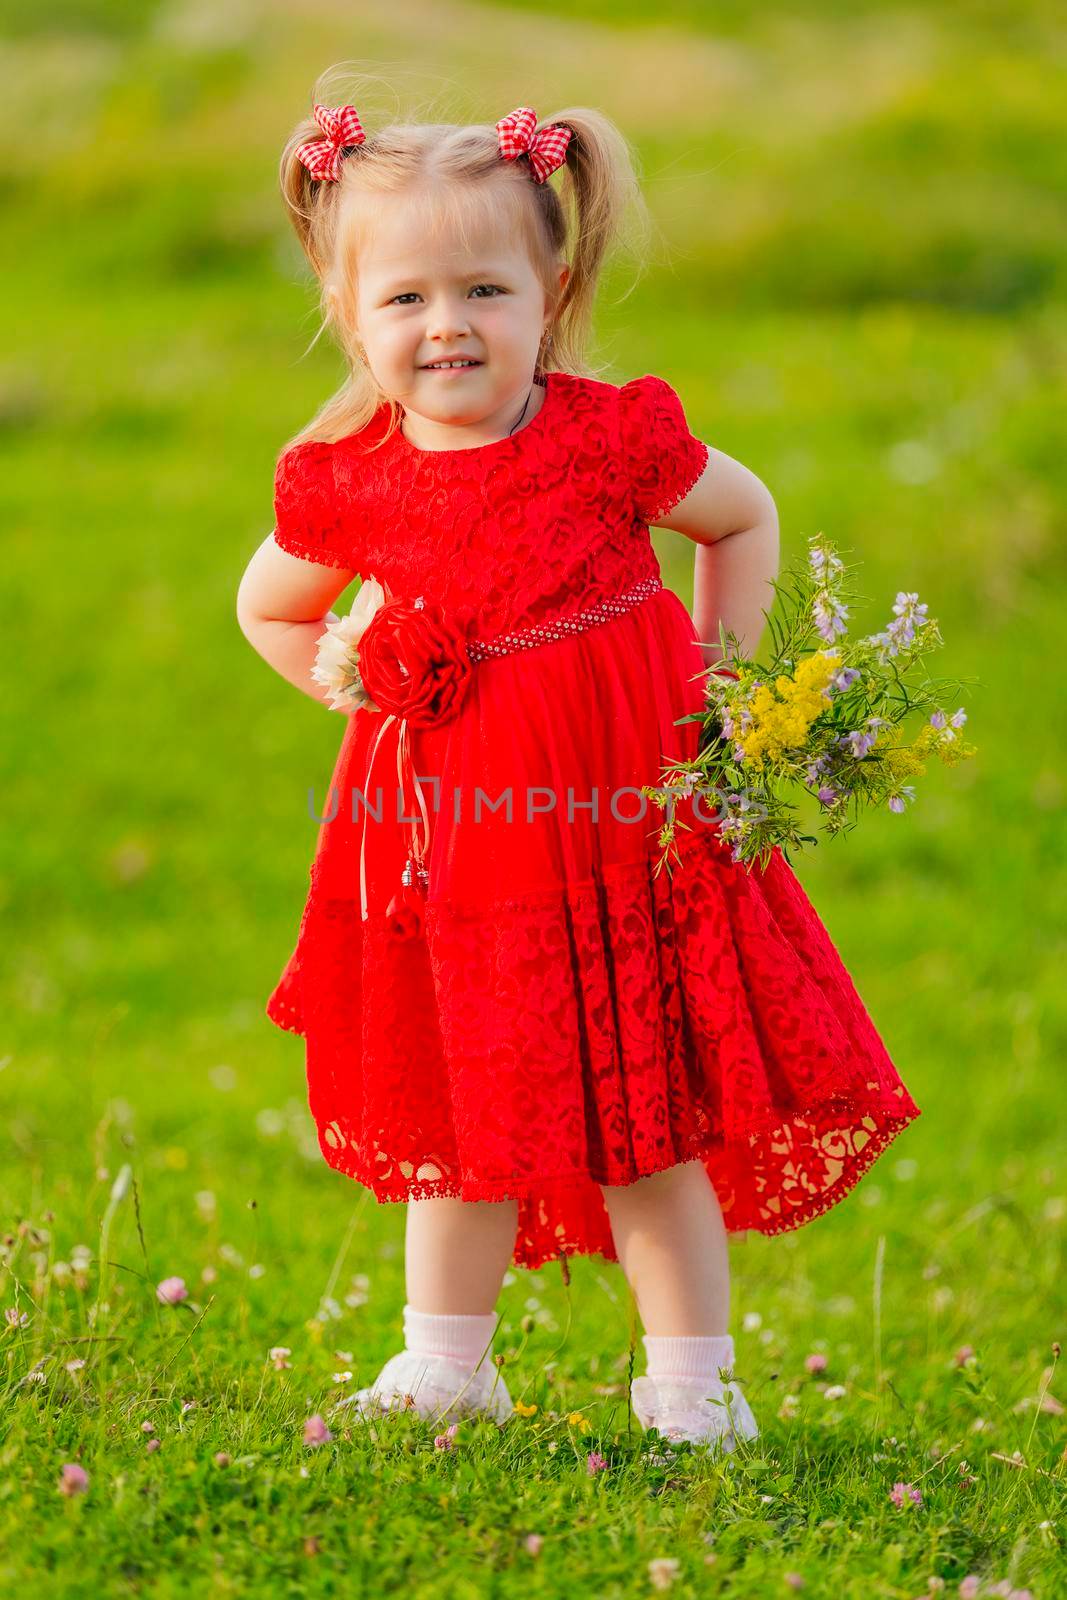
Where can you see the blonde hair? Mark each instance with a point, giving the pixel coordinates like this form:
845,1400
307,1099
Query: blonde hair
456,174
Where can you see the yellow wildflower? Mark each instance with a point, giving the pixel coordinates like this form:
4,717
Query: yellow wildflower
905,760
576,1420
781,724
524,1410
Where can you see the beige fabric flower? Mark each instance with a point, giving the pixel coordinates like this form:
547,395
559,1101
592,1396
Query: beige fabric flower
336,666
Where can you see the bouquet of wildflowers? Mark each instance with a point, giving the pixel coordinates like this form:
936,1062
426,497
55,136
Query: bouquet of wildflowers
822,716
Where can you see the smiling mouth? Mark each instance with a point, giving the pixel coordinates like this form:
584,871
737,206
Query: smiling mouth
451,366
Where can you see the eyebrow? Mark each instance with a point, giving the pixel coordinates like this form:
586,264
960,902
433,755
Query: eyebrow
490,271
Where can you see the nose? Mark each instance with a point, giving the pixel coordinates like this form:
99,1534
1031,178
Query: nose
447,320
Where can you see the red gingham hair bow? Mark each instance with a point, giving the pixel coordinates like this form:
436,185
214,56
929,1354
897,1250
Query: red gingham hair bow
547,150
342,127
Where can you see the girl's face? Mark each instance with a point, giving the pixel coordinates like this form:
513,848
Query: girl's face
421,301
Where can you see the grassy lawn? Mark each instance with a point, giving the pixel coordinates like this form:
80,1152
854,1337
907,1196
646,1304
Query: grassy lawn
859,291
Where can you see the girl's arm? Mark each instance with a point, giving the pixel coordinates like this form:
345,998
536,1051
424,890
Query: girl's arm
282,610
731,517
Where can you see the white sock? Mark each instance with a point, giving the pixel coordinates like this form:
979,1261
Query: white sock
461,1338
680,1357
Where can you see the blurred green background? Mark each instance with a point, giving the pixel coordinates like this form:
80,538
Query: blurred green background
858,289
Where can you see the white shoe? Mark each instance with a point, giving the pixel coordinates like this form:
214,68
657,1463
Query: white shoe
700,1410
433,1386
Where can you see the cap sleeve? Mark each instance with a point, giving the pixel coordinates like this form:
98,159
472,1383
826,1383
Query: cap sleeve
663,459
308,512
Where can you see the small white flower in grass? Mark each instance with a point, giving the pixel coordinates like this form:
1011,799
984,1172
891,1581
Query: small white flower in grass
278,1355
342,1377
344,1355
751,1321
76,1365
171,1291
256,1270
835,1391
663,1571
15,1318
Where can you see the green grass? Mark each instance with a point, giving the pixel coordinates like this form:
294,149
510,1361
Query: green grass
860,295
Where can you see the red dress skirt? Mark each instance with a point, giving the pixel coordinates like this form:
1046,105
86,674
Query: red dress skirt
565,1017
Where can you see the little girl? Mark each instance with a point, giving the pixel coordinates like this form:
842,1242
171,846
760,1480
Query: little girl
512,1021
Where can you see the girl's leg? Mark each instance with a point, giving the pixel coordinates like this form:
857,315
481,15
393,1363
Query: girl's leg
671,1242
457,1252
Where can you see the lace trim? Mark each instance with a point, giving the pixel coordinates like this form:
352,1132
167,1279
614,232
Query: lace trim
688,481
534,1191
320,554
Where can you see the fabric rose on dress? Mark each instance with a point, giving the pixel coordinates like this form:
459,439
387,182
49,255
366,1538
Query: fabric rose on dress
414,661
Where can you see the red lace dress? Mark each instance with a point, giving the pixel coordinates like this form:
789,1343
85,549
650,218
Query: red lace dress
564,1017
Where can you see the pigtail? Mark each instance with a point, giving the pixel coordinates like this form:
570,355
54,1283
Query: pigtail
313,207
603,207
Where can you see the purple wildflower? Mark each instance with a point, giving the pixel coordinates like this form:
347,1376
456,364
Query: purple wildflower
829,617
73,1479
903,1494
595,1462
171,1291
316,1432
